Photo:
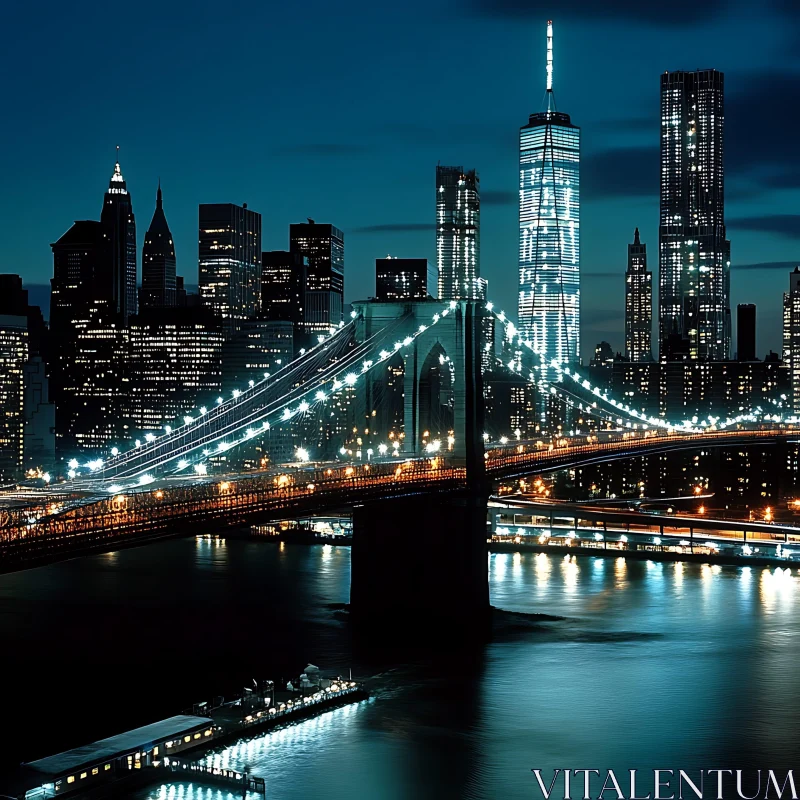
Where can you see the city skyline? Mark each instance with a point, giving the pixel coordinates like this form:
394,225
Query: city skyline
275,179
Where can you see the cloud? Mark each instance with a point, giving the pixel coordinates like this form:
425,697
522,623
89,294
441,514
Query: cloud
782,224
322,149
499,197
621,172
395,227
784,266
681,12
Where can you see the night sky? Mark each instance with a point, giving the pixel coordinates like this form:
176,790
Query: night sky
340,112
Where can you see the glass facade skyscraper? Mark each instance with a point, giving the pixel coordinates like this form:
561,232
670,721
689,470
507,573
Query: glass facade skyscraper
458,233
230,262
549,229
694,255
638,303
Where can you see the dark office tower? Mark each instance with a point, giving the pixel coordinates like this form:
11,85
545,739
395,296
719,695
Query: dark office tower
693,254
283,286
230,262
458,232
323,246
549,229
405,279
119,244
746,332
638,303
158,262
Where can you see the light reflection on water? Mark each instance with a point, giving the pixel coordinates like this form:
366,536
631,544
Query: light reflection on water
656,664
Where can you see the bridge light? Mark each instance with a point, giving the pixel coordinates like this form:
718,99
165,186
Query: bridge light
382,449
220,401
623,538
343,451
183,463
286,413
114,488
303,407
320,339
485,437
489,306
504,440
384,354
168,429
187,420
435,318
46,477
353,315
320,396
236,393
265,426
137,443
144,480
73,463
115,451
71,474
656,540
201,469
149,437
350,378
407,341
203,410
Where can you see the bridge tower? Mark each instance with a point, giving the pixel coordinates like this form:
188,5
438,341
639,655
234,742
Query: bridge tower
424,557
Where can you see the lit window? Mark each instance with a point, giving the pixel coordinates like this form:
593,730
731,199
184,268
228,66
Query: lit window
71,779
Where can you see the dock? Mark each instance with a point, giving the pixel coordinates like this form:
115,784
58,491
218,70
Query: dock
174,748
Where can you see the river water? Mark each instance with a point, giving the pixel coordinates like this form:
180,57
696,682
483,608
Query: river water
651,665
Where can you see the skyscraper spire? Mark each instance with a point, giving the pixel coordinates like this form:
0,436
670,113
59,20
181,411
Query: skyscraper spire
551,101
636,237
158,196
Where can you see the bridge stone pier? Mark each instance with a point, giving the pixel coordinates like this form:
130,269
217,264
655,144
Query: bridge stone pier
420,561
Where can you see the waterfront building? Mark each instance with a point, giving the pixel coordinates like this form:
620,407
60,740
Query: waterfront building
638,303
791,337
694,255
13,357
159,285
404,279
458,233
549,228
230,262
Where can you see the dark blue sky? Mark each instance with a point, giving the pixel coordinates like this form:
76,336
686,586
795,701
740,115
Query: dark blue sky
340,111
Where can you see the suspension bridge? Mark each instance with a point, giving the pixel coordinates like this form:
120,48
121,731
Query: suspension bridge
385,413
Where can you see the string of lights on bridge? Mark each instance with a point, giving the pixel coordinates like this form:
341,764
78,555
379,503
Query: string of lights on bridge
346,379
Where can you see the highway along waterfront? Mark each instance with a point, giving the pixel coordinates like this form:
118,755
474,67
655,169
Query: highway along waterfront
617,663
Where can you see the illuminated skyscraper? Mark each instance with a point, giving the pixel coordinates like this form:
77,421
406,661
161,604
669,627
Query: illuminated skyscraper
791,336
158,261
119,244
230,262
638,303
693,253
458,233
549,228
323,245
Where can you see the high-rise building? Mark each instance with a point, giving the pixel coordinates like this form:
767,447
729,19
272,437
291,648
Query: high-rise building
693,253
405,279
13,357
746,332
87,352
158,261
549,228
260,347
230,262
174,365
638,303
119,244
284,278
458,232
323,245
791,336
39,446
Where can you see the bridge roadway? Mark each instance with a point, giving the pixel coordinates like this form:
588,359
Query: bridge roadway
63,521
